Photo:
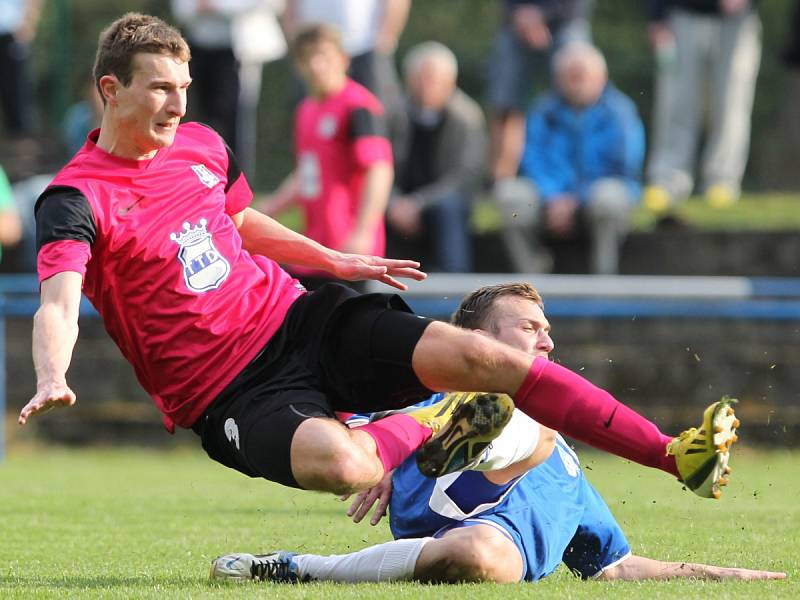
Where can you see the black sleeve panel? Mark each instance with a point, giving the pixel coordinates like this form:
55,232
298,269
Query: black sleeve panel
63,213
365,123
234,172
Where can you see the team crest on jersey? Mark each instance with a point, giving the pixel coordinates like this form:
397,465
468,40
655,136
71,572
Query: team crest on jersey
206,177
327,127
204,268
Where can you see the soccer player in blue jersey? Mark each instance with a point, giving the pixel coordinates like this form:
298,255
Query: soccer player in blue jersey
504,521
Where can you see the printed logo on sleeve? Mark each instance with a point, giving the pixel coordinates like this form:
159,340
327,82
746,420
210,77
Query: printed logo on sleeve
204,268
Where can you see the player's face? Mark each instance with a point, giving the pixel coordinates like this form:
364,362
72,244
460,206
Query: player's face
323,68
432,85
150,108
581,84
521,323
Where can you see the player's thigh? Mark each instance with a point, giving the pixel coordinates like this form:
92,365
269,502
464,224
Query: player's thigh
367,354
253,431
472,552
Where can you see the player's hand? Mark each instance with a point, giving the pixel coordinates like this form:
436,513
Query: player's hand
742,574
531,26
732,7
47,397
364,501
405,215
662,38
359,243
356,267
560,215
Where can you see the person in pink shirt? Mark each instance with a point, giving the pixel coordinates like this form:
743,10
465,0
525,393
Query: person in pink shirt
150,220
343,174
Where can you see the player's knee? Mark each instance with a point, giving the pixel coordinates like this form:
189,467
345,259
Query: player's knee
337,466
480,558
349,471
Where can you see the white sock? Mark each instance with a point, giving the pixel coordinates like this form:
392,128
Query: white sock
516,442
391,561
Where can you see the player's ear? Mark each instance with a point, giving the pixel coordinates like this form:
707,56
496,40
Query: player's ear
482,332
109,86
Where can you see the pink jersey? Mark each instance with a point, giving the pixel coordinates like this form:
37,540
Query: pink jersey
336,140
164,266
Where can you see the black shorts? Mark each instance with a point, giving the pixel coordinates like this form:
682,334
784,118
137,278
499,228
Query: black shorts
337,350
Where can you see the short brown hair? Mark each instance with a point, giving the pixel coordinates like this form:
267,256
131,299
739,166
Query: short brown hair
130,34
475,310
310,36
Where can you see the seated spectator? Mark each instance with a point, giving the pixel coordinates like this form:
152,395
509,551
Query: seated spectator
441,163
583,158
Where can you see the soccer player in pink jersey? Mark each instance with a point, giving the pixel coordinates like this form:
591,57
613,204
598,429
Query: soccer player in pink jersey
150,220
343,173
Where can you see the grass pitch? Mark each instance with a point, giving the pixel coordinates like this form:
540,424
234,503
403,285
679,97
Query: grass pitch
144,524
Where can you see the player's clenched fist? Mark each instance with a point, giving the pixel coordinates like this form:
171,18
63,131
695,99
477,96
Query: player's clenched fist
55,394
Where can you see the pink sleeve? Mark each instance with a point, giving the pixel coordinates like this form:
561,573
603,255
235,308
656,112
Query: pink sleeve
238,196
63,255
371,149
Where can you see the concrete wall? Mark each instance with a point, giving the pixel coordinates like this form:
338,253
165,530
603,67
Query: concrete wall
667,369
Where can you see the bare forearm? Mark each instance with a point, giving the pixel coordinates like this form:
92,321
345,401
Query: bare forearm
374,197
264,235
394,21
284,197
55,332
636,568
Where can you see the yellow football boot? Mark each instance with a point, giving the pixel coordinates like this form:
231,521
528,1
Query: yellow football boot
464,424
702,454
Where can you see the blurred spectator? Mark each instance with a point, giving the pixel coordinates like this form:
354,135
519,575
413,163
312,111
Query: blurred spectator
441,162
530,31
10,226
708,54
343,173
230,40
370,30
583,156
82,117
18,22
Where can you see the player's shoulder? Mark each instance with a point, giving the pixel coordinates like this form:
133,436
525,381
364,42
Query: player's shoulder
198,132
357,96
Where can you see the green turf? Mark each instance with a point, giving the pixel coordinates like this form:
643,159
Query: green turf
143,524
752,212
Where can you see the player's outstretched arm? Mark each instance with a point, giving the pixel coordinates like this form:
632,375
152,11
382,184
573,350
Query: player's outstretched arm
636,568
55,331
264,235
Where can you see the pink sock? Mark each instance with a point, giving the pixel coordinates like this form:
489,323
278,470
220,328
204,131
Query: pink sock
396,437
566,402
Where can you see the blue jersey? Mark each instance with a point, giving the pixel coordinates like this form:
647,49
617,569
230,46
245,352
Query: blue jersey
552,513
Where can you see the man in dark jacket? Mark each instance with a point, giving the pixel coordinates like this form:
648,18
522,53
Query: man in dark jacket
441,162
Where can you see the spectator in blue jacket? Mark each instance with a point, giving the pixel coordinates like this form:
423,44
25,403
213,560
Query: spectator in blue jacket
581,166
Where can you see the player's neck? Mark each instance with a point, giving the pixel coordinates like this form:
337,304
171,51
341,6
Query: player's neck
114,139
325,92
